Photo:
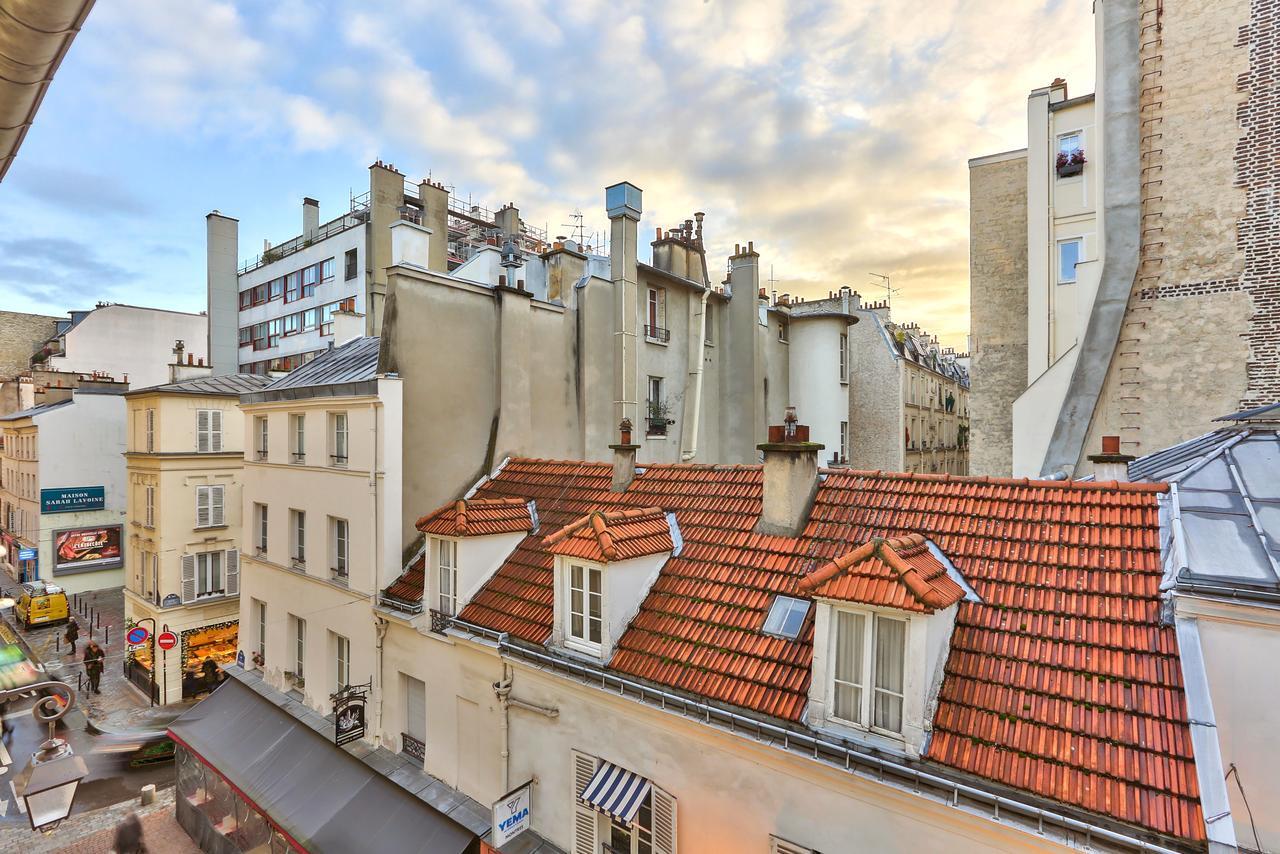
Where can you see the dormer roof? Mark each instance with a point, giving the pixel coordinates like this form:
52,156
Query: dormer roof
605,536
479,517
896,573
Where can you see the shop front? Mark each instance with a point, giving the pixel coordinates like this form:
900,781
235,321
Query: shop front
206,636
205,651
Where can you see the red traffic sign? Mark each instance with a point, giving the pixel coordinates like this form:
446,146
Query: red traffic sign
166,640
137,635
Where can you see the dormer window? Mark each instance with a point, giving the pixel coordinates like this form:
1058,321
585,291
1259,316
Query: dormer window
586,607
867,687
447,576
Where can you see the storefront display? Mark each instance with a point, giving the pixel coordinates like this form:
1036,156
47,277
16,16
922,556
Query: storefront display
214,643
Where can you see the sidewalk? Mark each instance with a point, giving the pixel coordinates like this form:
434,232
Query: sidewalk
94,832
120,705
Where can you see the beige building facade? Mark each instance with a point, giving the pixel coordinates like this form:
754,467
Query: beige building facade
1167,321
184,466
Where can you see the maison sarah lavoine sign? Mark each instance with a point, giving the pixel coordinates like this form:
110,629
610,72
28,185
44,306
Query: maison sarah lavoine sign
72,499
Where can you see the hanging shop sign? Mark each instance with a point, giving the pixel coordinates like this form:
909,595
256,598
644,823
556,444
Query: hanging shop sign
512,815
81,549
72,499
348,712
28,554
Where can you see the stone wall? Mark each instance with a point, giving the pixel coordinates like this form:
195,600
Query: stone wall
20,335
998,307
875,398
1198,340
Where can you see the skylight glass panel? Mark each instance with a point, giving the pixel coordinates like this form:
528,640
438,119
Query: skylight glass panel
786,616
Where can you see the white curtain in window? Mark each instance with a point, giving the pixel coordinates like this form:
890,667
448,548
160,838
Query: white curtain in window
848,675
889,651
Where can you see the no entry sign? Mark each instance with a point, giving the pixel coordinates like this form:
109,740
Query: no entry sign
167,640
137,635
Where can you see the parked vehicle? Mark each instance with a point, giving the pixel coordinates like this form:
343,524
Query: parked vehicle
42,604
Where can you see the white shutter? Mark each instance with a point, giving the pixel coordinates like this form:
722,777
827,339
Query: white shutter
215,429
202,431
782,846
233,572
215,505
188,578
202,506
662,308
586,822
664,822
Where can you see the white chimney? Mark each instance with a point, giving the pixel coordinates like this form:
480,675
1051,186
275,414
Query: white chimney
347,326
410,244
310,218
1111,464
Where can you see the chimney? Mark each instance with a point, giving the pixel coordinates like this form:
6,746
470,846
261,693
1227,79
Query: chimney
790,477
623,202
310,218
178,349
410,244
1111,464
348,325
624,458
508,221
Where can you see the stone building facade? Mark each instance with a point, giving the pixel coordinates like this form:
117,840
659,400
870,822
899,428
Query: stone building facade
21,335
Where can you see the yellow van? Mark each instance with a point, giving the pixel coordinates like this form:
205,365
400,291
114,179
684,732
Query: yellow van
41,604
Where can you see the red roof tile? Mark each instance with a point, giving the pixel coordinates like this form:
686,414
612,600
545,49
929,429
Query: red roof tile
898,573
1062,681
615,535
478,517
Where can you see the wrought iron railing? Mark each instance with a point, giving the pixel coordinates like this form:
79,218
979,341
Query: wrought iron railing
411,746
439,621
657,333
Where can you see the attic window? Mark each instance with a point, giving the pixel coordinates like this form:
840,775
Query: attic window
786,616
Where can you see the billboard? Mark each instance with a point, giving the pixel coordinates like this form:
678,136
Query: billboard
81,549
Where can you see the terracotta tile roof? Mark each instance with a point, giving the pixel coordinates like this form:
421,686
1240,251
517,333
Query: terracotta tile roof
410,585
616,535
478,517
898,573
1062,682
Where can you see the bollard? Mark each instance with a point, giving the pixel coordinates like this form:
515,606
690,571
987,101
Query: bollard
79,687
57,643
99,619
148,794
106,641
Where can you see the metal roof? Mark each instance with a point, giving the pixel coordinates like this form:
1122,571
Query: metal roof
355,361
1271,409
35,410
1225,513
230,384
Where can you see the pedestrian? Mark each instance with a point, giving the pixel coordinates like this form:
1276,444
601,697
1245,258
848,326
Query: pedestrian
210,674
129,836
73,634
93,659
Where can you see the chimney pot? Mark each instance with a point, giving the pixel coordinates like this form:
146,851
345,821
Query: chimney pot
1111,464
624,458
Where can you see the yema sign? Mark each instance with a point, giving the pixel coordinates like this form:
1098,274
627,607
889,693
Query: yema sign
512,815
72,499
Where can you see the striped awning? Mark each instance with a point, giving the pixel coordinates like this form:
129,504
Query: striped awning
616,792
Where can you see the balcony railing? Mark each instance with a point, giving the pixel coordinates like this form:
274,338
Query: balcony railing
439,621
299,456
657,426
657,333
411,746
338,459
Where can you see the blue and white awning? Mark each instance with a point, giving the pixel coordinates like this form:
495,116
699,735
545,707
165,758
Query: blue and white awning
616,792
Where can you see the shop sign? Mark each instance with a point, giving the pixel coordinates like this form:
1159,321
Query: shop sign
512,815
87,548
28,554
348,713
72,499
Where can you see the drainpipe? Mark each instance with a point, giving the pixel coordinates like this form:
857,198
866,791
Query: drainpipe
380,625
506,702
697,382
380,631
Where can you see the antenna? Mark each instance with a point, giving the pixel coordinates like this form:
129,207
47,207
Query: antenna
773,286
576,227
889,290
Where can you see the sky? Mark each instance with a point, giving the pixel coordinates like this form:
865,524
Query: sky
835,136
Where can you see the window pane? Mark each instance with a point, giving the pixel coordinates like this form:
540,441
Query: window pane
848,667
1069,143
890,647
1068,257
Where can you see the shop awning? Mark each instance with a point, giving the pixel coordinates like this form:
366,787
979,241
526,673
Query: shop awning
616,791
325,799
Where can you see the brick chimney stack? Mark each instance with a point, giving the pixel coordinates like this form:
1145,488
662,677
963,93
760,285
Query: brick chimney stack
790,477
1111,464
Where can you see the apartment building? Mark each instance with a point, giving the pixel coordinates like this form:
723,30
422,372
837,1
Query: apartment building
322,520
62,489
127,342
1134,275
274,312
183,532
627,638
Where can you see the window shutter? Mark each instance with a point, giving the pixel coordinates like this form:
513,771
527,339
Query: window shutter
215,505
202,506
233,572
782,846
586,824
664,822
188,578
202,431
662,308
215,429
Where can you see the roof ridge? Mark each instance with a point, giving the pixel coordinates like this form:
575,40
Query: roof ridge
599,520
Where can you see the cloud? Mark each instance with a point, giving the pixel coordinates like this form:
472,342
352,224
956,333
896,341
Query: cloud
74,191
55,271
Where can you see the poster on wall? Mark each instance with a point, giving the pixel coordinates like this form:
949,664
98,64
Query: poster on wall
79,549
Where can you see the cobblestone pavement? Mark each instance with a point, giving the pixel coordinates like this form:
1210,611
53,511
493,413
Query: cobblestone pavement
94,832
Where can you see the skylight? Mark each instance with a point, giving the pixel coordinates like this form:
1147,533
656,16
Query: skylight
786,616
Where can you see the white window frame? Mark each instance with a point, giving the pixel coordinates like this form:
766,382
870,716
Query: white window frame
867,683
150,429
261,520
261,436
784,330
844,358
655,315
204,574
298,436
299,646
1075,275
298,536
208,431
339,439
340,547
583,642
209,501
1078,135
445,575
844,441
341,661
260,609
149,505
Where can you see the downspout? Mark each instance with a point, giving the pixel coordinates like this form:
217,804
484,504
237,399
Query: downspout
506,702
697,382
380,624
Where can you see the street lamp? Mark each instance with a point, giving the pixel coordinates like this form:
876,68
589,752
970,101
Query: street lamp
53,777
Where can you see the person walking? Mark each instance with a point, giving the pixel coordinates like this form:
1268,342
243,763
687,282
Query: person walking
93,661
129,836
210,674
73,634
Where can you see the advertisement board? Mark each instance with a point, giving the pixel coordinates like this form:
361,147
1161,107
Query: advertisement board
80,549
72,499
512,815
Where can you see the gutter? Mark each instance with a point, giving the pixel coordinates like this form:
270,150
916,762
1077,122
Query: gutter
1122,207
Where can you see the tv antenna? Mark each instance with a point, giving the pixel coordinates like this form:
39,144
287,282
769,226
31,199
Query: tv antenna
576,228
889,290
773,285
